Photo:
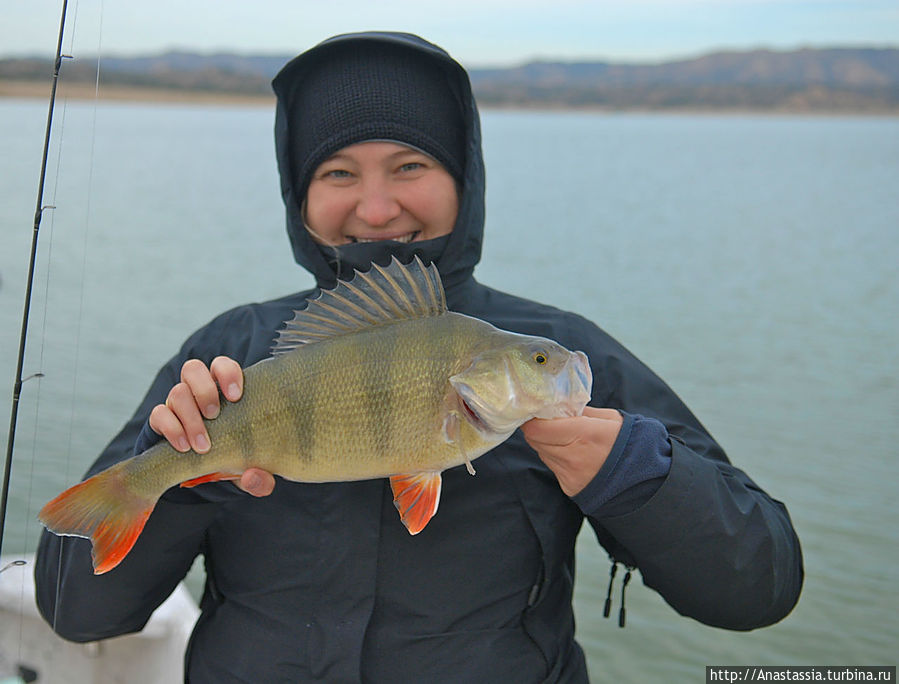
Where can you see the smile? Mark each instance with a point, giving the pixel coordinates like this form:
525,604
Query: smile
407,237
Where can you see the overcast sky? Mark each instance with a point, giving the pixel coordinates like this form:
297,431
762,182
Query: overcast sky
476,32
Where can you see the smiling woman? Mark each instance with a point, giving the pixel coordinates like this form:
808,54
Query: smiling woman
378,134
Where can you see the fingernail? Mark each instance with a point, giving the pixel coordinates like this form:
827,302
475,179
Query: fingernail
211,411
183,444
233,392
202,443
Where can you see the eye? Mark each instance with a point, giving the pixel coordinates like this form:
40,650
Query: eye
332,170
540,358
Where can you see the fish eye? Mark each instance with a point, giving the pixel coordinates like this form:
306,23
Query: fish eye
540,358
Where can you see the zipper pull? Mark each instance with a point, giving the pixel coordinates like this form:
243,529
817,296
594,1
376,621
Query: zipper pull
622,613
608,607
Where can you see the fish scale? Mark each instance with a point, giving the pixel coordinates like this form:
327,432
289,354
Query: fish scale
373,379
369,392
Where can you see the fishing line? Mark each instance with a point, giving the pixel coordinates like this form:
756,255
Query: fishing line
29,284
19,381
81,291
79,319
48,260
84,246
48,270
47,289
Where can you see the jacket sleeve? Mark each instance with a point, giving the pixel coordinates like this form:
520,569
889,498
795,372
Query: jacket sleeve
81,606
707,538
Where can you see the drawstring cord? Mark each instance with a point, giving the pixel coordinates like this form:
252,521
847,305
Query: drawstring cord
607,609
621,613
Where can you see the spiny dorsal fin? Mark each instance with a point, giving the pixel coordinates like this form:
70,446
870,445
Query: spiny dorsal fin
377,297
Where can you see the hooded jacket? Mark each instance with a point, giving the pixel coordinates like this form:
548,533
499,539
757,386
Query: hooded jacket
321,582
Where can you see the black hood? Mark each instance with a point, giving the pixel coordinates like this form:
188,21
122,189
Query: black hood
455,255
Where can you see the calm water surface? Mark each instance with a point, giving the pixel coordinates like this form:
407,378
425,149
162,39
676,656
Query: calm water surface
750,260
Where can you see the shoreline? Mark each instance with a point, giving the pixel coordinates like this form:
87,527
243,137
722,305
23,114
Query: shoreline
87,92
115,93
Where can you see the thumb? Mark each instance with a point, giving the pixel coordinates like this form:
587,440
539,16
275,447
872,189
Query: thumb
257,482
562,432
554,431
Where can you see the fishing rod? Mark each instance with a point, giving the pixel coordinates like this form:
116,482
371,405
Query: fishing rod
38,214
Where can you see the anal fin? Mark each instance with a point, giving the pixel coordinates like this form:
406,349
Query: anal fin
211,477
416,497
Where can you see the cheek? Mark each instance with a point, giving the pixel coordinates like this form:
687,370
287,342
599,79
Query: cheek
325,213
437,207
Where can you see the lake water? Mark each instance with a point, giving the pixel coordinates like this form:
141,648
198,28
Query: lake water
752,261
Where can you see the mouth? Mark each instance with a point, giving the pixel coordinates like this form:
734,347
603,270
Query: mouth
583,372
473,417
404,238
574,385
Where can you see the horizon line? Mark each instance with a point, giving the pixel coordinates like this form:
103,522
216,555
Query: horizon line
487,64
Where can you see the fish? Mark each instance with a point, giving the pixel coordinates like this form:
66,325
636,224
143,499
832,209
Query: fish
373,379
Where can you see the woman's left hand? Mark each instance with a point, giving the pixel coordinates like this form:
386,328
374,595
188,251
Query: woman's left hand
574,448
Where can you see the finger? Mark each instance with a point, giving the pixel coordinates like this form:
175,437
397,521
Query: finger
604,413
228,374
565,431
198,378
257,482
164,422
558,431
182,402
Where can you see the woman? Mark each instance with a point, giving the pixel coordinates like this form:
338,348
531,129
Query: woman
378,145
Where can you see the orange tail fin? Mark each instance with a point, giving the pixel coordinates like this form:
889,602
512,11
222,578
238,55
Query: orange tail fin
104,510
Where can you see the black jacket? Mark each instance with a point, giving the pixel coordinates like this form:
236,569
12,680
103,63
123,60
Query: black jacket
320,582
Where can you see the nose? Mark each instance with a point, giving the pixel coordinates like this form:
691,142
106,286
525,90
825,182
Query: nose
377,204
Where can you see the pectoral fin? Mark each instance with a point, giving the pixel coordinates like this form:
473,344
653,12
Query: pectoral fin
416,498
452,434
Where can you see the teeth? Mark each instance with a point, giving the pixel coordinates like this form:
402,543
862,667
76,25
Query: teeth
408,237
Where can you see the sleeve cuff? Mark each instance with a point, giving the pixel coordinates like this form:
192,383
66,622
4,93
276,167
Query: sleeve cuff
634,470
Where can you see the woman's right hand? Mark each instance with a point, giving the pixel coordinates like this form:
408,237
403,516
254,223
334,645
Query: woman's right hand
180,418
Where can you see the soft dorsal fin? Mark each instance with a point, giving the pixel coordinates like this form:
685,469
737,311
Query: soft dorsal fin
377,297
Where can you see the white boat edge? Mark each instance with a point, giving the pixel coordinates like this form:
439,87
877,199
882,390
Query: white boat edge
153,656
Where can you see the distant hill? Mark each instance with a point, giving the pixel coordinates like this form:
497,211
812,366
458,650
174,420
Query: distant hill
824,79
835,78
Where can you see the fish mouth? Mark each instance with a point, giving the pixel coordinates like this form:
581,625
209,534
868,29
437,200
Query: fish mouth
481,417
405,238
474,417
578,381
571,389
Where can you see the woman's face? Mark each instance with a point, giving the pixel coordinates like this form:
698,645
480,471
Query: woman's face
380,191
